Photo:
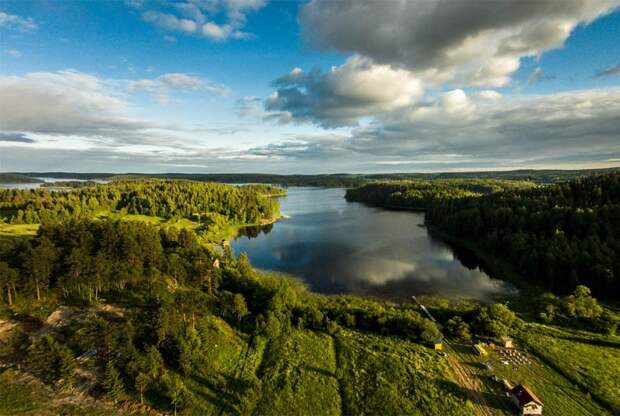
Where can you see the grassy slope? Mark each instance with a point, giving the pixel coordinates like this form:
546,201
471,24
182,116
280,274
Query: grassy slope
298,376
18,230
590,360
559,395
389,376
213,382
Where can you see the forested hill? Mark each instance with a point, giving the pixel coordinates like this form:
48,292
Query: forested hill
421,194
345,180
558,236
16,178
159,198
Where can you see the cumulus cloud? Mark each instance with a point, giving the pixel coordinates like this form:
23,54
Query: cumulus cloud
161,86
56,102
217,20
461,130
71,119
340,96
609,72
22,24
170,22
476,43
70,103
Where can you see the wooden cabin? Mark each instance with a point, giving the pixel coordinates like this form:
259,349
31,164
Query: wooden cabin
507,342
527,402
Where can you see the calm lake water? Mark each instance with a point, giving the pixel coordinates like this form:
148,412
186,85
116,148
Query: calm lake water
337,246
36,185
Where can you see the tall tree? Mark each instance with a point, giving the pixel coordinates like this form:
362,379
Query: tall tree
40,264
8,280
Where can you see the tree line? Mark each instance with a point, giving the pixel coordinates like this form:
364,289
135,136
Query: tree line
161,198
558,236
422,194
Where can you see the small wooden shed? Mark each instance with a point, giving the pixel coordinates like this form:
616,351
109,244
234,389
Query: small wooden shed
507,342
527,402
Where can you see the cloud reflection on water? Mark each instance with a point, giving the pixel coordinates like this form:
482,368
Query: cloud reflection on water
341,247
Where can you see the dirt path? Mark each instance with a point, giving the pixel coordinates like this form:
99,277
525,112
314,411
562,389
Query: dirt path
472,384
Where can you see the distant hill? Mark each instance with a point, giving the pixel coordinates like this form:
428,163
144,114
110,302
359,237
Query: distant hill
342,179
17,178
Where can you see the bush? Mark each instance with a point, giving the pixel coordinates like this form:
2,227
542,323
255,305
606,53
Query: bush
51,361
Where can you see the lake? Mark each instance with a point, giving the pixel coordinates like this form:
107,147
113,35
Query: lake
35,185
337,246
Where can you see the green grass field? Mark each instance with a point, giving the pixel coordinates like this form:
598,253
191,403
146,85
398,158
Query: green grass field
590,360
389,376
298,376
559,394
213,382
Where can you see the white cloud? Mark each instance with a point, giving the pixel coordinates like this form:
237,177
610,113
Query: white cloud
170,22
83,107
457,102
457,130
64,102
489,95
161,86
358,88
17,22
217,20
69,118
476,43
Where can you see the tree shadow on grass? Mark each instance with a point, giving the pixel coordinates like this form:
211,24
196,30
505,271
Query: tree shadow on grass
223,399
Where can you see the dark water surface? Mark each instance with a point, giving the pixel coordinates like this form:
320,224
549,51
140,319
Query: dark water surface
337,246
35,185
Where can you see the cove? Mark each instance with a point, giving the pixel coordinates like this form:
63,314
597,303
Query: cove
337,246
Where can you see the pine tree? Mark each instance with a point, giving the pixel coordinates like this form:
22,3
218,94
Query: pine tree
112,381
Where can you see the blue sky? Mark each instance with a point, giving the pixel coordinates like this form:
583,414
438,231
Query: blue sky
307,87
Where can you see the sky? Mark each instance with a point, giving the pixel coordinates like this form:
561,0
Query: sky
205,86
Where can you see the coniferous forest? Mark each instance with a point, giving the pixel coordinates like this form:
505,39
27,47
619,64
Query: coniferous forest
122,293
556,236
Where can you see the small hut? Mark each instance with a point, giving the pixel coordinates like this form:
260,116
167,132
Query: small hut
527,402
507,342
438,344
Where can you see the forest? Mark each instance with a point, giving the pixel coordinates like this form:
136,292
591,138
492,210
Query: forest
344,180
158,198
422,194
17,178
556,236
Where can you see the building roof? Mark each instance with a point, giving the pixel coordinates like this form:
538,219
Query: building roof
524,395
